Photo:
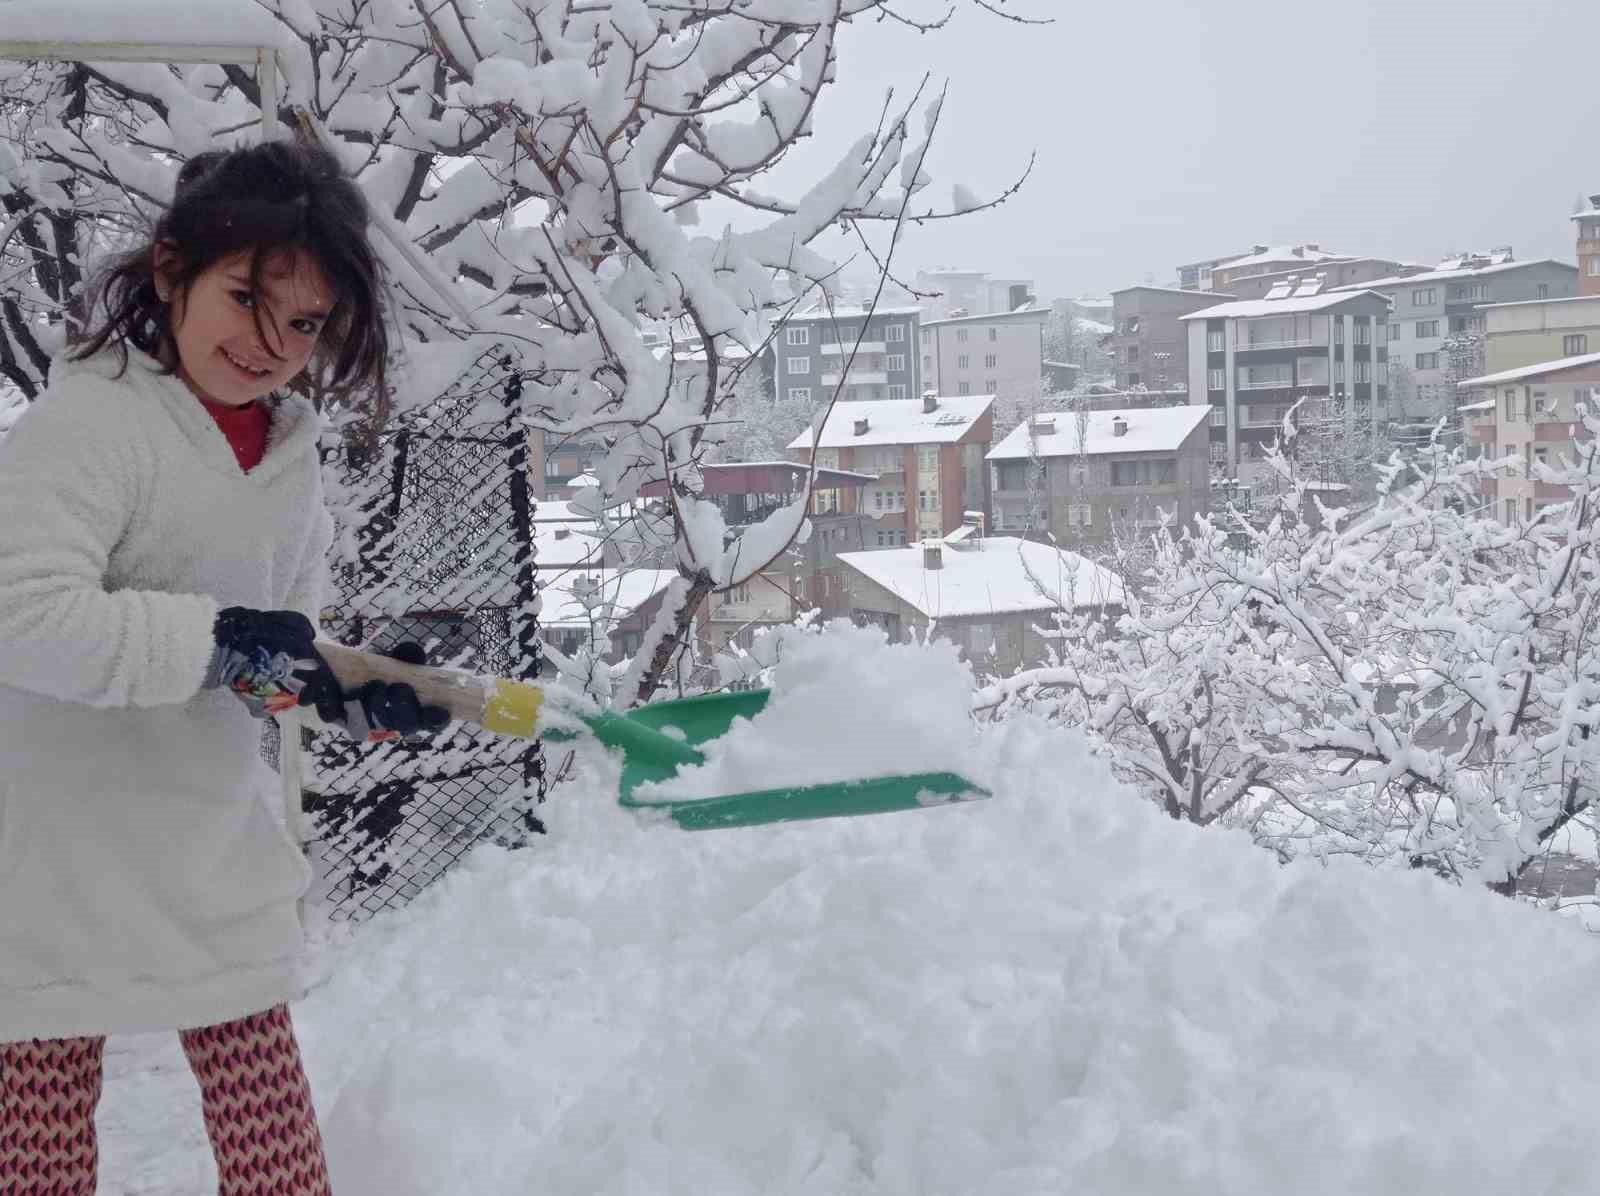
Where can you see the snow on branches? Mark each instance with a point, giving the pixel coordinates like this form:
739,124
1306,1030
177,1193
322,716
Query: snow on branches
544,163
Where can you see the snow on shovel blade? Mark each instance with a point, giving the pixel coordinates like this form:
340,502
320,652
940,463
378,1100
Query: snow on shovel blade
878,795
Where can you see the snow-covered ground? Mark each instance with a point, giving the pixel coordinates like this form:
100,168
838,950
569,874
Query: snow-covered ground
1057,990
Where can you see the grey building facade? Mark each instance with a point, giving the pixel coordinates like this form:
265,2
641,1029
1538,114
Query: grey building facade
811,350
1148,340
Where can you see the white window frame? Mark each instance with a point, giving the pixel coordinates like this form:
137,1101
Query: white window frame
963,361
961,336
894,333
897,390
1216,341
797,336
1217,379
894,362
797,365
989,359
799,394
1578,338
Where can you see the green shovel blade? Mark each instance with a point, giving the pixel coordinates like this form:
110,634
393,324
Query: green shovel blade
656,739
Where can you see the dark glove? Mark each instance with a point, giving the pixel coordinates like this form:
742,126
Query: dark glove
378,710
265,657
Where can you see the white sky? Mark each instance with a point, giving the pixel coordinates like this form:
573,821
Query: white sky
1169,131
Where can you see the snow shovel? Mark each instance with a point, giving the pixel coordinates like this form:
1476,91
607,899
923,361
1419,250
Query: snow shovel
655,740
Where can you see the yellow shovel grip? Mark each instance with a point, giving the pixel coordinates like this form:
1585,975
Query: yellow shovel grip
513,709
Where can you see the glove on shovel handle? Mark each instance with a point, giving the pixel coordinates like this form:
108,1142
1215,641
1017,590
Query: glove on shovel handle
500,705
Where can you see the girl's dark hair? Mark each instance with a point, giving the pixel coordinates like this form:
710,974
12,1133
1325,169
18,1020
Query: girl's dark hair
265,200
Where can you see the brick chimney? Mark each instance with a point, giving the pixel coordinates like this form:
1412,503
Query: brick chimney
930,401
1119,426
932,555
861,426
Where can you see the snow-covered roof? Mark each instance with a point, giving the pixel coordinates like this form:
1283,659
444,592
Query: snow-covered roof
849,311
1184,291
239,24
1543,302
1282,253
1459,272
1247,308
559,511
627,589
899,421
1027,312
1149,430
563,545
1588,214
1486,405
1534,371
999,575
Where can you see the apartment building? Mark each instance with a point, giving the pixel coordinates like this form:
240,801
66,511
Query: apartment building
926,457
810,351
1435,304
951,291
1539,330
1536,417
1588,222
1334,273
1087,476
1148,339
989,595
1000,354
1254,359
746,493
1215,274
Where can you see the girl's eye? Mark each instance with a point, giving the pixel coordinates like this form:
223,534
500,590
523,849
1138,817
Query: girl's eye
243,298
306,327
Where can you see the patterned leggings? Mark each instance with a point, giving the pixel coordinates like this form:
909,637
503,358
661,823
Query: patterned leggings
253,1090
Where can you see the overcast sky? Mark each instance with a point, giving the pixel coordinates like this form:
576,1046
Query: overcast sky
1169,131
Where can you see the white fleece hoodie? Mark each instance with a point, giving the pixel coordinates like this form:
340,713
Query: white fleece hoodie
146,881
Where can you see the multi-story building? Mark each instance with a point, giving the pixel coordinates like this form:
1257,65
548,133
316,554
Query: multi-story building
1337,272
1254,359
1432,306
1148,340
927,458
1088,476
1536,418
988,595
1538,330
810,351
748,492
998,354
950,291
1216,274
1588,222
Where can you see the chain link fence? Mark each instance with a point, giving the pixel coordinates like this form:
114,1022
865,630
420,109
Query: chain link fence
434,546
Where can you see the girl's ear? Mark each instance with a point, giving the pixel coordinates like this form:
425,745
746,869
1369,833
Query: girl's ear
165,268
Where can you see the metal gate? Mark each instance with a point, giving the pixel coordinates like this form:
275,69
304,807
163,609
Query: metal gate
435,546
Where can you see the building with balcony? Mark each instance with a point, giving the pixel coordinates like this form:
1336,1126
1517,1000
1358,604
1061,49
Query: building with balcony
1538,330
1086,477
926,457
861,357
987,594
1588,225
1536,418
1254,359
1431,306
1148,339
1217,274
999,354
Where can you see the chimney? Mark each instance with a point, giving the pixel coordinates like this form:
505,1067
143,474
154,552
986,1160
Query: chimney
861,426
1119,426
1044,423
1298,251
563,532
932,555
1258,248
930,401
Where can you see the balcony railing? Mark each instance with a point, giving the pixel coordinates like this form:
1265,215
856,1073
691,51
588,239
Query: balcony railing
857,378
1296,342
1272,384
834,348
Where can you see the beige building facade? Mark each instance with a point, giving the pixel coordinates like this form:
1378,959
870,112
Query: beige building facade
1001,354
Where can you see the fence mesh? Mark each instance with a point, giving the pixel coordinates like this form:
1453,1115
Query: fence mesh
434,546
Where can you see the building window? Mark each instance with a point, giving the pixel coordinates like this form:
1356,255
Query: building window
1363,371
1215,342
1594,266
897,390
1424,297
895,361
988,361
1363,333
994,334
1394,332
1219,453
1133,379
990,387
963,388
1574,346
1544,290
964,361
1133,354
1216,379
1427,361
1509,404
798,365
1144,473
1219,417
1338,331
1511,510
1469,293
799,394
961,336
927,363
1427,329
798,336
896,333
1338,371
1080,514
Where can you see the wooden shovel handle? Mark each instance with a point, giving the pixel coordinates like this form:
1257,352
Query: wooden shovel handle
462,694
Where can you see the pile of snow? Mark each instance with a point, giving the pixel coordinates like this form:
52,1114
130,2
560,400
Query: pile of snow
12,405
1057,990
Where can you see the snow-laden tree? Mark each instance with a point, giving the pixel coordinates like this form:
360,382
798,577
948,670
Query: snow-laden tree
542,169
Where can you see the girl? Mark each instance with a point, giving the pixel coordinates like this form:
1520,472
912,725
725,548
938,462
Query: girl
162,539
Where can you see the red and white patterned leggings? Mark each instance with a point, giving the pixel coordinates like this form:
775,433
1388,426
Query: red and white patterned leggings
253,1091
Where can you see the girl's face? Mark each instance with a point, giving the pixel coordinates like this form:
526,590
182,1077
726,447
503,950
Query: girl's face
222,355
